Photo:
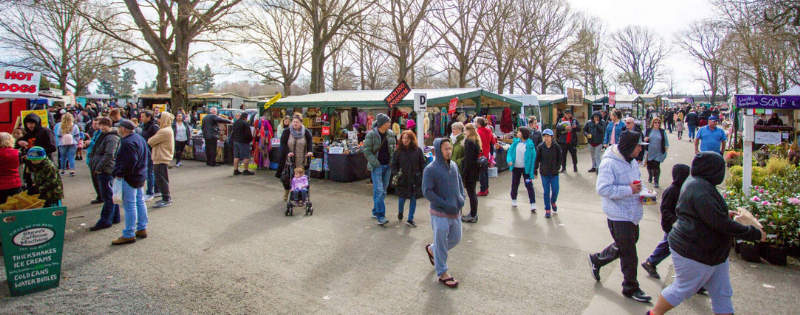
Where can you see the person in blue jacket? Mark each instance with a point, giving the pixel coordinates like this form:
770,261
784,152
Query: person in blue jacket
614,129
521,159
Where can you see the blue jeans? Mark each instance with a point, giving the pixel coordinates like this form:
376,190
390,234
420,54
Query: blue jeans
380,182
135,209
151,179
660,253
691,131
300,194
412,207
67,156
110,213
691,275
446,235
484,179
550,184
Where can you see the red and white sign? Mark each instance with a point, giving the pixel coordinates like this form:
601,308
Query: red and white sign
326,131
19,83
453,104
612,98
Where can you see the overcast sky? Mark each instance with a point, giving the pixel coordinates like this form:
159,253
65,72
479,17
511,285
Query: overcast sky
665,17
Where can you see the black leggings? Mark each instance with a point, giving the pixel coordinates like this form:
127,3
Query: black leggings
654,170
179,147
473,197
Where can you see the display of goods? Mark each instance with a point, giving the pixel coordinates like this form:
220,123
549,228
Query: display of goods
648,197
22,201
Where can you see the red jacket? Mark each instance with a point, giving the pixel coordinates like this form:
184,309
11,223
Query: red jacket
9,168
487,140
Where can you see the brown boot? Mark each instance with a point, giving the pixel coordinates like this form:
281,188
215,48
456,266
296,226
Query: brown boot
285,195
141,234
123,241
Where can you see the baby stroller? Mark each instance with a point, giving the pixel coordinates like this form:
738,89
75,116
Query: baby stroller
296,201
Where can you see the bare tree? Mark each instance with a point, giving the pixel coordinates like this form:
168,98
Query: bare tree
703,41
189,20
638,52
51,36
277,46
401,31
505,43
550,43
588,60
462,25
326,19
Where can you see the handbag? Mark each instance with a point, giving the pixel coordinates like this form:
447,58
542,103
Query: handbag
396,178
483,162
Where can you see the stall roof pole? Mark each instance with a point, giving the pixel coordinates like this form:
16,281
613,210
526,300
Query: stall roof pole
477,101
747,159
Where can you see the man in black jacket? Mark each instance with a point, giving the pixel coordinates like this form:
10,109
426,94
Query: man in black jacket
241,137
595,131
669,117
669,200
149,129
211,134
36,136
102,159
567,137
701,239
133,157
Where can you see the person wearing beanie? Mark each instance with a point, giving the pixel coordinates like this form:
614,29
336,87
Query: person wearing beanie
701,239
379,145
619,184
46,179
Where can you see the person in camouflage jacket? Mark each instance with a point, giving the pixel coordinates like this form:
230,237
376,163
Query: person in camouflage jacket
48,181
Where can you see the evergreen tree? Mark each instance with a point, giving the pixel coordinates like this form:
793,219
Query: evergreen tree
127,82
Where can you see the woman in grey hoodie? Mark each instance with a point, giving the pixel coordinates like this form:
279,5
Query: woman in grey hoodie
441,185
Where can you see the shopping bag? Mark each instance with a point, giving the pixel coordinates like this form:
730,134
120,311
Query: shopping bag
116,187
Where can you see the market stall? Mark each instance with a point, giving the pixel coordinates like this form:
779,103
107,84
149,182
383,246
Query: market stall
339,119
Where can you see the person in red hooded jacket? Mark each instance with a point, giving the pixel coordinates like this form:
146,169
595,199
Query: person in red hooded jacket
487,141
10,183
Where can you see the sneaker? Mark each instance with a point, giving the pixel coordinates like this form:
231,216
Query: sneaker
483,193
63,172
399,216
640,296
655,185
563,170
575,168
595,269
179,164
547,214
162,204
382,221
533,208
469,219
592,170
651,270
245,173
374,216
513,203
411,223
702,290
96,201
148,197
236,172
156,195
71,174
555,208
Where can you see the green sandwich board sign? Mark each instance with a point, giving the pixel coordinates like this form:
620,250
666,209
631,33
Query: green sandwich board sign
33,241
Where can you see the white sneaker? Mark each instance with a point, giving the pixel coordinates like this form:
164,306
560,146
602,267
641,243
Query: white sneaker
533,207
148,197
513,203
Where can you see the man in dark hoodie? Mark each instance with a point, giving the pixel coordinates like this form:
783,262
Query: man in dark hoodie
37,136
595,131
442,186
102,161
669,200
701,239
149,129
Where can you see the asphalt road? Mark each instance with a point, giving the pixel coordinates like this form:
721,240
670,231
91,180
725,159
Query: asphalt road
225,247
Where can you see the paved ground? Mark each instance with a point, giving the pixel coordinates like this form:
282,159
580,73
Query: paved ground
226,247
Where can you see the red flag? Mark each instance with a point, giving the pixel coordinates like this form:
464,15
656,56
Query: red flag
453,104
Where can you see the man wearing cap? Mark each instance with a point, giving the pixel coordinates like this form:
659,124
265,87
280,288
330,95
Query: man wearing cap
379,146
619,184
131,166
567,138
710,138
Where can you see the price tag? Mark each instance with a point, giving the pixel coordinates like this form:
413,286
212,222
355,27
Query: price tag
336,150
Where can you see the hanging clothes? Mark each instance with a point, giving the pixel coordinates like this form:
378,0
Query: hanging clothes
506,122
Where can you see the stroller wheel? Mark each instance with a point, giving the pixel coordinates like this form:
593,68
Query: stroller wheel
311,211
